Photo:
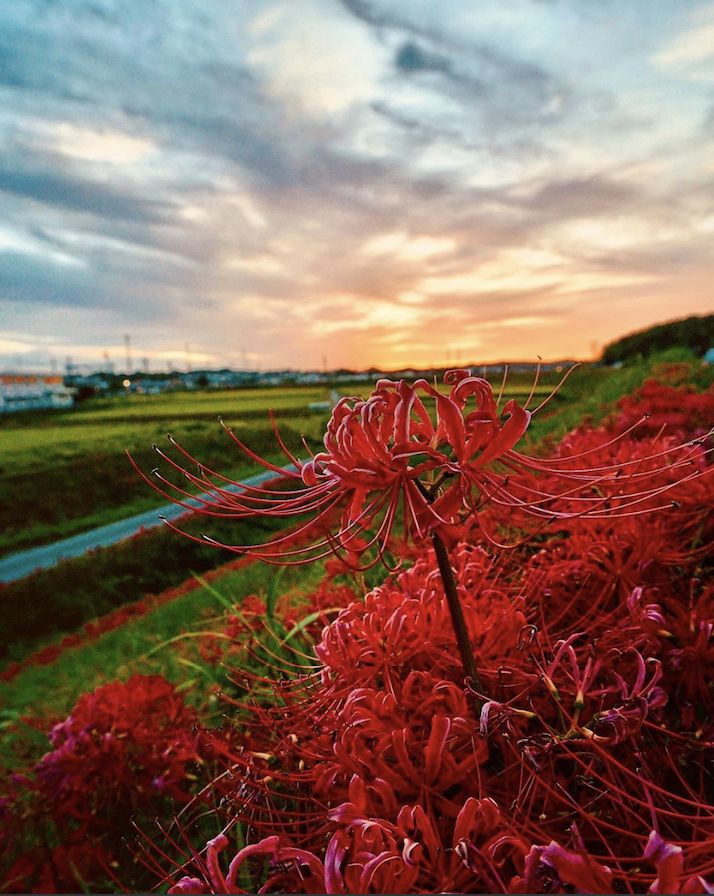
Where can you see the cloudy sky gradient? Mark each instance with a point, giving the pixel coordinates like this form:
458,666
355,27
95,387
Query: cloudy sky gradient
376,182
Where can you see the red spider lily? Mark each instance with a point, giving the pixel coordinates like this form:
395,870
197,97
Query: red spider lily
419,851
367,762
554,867
126,752
404,624
591,767
679,411
385,455
379,454
286,862
119,741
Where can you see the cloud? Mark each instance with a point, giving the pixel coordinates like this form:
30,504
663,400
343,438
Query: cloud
582,198
694,44
498,87
237,174
412,58
81,195
25,278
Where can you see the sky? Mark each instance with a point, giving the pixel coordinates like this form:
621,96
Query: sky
350,183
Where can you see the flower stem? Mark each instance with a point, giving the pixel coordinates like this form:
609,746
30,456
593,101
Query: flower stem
457,614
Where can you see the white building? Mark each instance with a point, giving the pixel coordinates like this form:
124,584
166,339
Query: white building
20,392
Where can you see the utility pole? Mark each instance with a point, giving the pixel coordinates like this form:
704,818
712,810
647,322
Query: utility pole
127,347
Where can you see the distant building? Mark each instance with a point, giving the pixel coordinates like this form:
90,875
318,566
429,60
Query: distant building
21,392
708,356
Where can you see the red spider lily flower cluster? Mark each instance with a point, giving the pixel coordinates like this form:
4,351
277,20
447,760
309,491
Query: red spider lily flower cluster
363,765
558,784
433,459
680,412
587,770
127,751
140,728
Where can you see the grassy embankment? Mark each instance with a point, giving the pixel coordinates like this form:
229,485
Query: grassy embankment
64,473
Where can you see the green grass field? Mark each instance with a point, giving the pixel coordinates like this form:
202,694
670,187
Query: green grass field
61,474
158,643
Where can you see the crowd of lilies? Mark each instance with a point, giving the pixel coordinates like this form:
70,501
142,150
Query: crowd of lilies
552,734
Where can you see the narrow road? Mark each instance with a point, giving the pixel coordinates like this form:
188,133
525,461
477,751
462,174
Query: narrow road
23,563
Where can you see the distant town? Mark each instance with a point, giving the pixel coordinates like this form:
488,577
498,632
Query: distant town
33,392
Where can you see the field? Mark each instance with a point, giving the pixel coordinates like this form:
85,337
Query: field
583,715
72,472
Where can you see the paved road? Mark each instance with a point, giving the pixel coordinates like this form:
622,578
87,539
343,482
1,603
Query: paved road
17,566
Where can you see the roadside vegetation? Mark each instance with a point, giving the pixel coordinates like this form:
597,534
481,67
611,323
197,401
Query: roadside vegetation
694,334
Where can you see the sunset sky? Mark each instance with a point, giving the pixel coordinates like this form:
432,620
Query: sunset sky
375,182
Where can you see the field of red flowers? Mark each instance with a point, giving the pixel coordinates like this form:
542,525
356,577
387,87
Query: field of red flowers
357,751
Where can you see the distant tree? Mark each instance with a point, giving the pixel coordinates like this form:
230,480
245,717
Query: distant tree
694,333
83,393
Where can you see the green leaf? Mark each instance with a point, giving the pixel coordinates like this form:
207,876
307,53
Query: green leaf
271,598
300,627
221,598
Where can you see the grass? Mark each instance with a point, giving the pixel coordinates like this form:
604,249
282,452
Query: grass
144,645
592,393
58,479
